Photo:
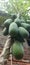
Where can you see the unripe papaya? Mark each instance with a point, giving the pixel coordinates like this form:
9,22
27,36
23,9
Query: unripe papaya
18,50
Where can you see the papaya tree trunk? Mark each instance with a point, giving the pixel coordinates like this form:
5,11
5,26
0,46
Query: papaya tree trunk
6,50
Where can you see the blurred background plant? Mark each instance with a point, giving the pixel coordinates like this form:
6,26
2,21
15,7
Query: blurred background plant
21,7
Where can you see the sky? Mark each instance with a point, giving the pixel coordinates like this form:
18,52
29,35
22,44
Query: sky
3,0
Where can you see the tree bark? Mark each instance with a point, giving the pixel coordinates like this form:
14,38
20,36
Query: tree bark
6,51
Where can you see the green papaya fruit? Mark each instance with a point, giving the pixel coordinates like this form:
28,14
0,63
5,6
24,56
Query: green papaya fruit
26,26
17,21
13,16
23,32
7,23
17,50
19,38
13,29
28,21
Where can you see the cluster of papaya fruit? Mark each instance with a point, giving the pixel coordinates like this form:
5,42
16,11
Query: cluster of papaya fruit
18,30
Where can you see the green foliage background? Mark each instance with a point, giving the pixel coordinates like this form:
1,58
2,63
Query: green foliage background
2,19
21,7
18,5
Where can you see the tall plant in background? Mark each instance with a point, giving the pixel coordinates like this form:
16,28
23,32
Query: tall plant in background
19,6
